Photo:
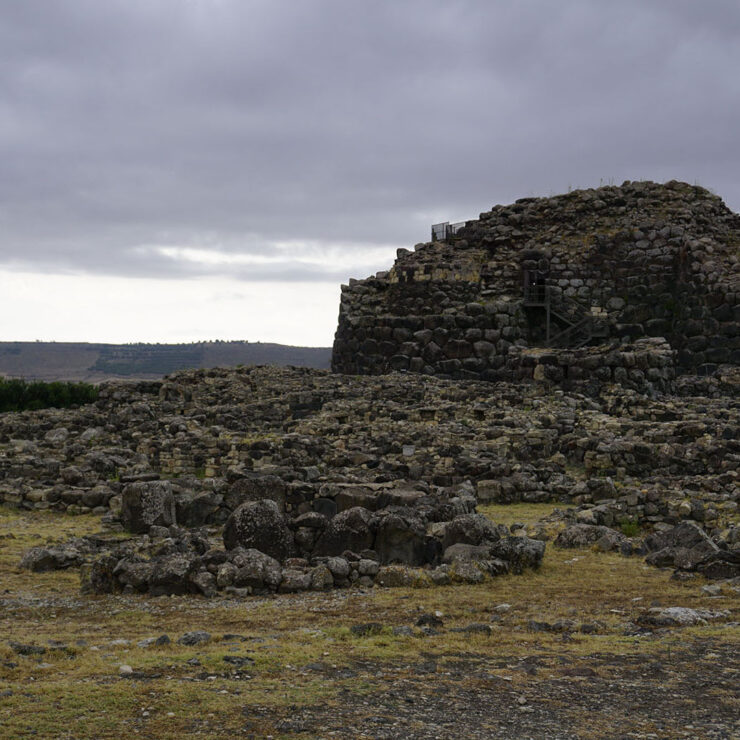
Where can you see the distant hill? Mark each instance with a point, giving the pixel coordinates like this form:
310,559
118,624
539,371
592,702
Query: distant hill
97,362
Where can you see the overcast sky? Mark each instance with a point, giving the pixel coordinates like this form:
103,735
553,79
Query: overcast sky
173,170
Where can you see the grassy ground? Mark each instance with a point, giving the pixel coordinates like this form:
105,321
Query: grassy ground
303,671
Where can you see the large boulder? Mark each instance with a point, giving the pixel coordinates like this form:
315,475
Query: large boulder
401,539
349,530
307,528
147,503
688,547
259,525
256,570
97,577
349,495
60,557
463,551
469,529
724,564
585,535
195,510
519,552
134,573
256,487
294,580
684,546
171,575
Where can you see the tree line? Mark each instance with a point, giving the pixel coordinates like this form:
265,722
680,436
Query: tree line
21,395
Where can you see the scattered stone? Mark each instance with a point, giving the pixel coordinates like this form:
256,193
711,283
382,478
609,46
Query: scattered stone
429,620
194,638
238,661
586,535
27,650
366,629
475,628
403,631
679,616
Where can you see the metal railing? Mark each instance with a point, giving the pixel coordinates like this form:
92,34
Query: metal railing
581,324
444,231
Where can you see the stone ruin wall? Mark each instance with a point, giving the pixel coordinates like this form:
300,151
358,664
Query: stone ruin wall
655,260
62,469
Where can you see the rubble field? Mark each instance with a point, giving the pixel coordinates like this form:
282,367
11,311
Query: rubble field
286,552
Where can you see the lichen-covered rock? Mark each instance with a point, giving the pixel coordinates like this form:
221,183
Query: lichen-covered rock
688,547
401,539
349,530
686,540
135,573
338,567
586,535
679,616
260,525
97,577
393,576
40,559
256,570
469,529
294,580
198,509
322,578
467,571
256,487
171,575
519,553
147,503
464,551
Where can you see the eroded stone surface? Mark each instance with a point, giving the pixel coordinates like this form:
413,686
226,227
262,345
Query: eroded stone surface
361,474
643,260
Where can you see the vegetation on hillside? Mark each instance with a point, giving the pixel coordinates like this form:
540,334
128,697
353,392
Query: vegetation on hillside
20,395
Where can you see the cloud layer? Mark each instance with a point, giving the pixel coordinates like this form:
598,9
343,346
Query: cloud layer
304,141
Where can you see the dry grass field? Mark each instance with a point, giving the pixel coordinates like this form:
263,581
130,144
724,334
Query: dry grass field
290,666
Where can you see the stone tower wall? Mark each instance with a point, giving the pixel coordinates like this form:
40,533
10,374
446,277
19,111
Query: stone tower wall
654,260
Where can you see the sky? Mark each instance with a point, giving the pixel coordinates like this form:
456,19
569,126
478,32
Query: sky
181,170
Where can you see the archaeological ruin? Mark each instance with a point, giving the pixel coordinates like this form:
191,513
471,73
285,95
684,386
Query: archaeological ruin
580,351
647,273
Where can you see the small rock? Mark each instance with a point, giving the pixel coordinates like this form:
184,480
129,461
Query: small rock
22,649
475,628
403,631
368,628
194,638
239,661
429,620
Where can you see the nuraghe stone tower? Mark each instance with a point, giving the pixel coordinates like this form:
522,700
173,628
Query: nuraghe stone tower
542,280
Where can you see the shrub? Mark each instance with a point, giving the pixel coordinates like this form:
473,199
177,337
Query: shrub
19,395
629,529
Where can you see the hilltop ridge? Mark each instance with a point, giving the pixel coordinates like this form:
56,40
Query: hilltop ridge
97,362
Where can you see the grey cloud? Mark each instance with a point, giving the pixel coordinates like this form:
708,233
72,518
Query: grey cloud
230,125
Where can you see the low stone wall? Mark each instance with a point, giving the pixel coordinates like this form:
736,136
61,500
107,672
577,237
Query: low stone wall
645,365
708,504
